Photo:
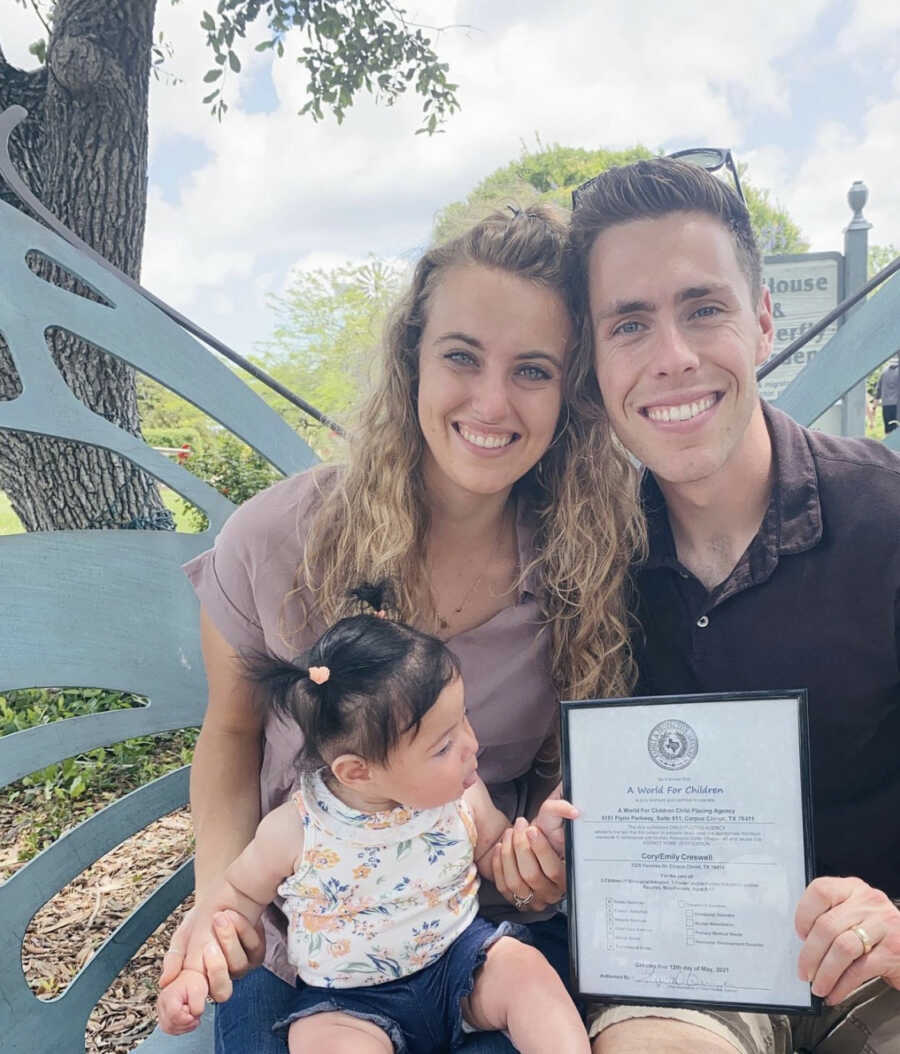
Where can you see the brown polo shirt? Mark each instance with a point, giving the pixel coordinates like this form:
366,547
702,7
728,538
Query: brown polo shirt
813,603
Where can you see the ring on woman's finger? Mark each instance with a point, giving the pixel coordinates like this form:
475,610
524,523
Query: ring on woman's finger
522,903
867,943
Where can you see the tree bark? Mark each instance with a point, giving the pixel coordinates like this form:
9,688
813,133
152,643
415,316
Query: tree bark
84,152
28,89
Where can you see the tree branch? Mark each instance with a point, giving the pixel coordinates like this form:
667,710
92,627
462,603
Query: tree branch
400,14
43,20
443,29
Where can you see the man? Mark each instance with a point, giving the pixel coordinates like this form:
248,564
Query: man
887,393
773,563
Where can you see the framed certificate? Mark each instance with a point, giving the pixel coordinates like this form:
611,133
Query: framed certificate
692,850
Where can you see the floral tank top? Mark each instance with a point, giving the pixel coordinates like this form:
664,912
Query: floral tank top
376,896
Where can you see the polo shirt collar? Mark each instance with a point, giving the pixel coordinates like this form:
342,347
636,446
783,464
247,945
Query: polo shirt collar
793,519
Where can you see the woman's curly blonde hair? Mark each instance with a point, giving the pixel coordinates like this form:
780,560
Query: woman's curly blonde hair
371,520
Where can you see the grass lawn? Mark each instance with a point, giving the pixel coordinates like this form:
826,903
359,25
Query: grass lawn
175,504
9,522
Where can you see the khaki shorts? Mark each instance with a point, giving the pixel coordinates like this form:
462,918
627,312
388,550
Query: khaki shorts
866,1023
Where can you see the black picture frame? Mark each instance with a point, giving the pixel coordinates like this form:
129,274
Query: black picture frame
796,696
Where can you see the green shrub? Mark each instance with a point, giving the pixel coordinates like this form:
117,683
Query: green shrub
66,792
236,470
174,437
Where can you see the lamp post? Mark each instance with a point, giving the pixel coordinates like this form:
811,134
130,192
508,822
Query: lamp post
856,264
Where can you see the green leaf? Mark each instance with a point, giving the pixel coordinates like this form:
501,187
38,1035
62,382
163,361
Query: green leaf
39,50
212,75
349,45
211,96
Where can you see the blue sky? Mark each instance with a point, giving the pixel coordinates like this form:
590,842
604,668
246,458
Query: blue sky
806,94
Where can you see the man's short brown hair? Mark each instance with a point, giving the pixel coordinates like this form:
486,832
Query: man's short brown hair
650,190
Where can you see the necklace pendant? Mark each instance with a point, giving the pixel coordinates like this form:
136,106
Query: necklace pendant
443,624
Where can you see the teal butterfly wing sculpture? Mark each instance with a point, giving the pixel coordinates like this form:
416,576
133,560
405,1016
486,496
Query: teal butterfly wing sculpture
868,337
109,608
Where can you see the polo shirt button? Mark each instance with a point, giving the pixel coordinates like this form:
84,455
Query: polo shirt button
703,621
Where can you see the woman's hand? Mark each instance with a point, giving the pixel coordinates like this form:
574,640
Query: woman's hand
237,949
527,870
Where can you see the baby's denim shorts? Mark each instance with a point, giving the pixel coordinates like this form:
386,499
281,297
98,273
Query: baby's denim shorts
420,1013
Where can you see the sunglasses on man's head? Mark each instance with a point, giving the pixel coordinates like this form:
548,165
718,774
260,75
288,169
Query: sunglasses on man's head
709,157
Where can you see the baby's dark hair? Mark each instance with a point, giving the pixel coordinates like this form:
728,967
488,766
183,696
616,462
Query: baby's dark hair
382,677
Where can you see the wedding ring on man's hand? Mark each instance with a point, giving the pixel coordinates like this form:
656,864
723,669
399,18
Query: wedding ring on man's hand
522,903
863,936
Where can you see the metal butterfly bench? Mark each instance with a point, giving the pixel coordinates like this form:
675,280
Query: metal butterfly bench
142,633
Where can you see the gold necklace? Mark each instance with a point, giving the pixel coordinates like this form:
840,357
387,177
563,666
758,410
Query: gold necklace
441,621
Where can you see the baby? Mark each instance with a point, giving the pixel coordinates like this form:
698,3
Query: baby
377,857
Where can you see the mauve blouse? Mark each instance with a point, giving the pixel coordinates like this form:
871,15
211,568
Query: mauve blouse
245,585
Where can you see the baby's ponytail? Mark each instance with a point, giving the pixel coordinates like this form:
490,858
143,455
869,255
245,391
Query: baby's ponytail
366,682
298,692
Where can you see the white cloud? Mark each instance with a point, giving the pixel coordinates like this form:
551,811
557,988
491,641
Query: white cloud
279,188
873,25
260,194
817,190
21,28
767,166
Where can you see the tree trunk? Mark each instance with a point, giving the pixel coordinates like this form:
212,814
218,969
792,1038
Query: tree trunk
83,151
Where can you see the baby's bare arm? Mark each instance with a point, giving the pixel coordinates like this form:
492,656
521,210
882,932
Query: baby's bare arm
251,881
490,823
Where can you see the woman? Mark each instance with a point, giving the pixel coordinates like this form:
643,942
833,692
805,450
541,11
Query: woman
496,505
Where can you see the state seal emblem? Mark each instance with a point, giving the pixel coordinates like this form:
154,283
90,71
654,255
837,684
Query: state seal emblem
672,744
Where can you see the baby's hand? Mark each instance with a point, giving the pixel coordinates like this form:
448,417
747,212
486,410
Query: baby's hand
550,819
180,1004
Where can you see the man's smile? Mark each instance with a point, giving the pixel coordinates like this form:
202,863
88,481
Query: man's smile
684,411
